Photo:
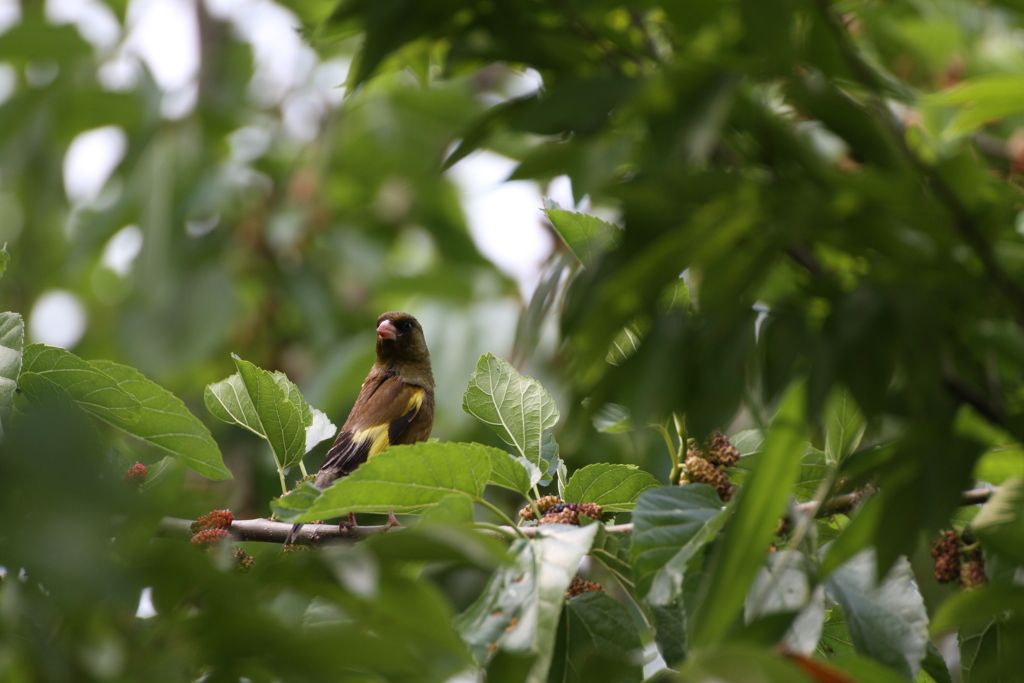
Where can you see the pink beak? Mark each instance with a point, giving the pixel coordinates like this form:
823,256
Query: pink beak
387,330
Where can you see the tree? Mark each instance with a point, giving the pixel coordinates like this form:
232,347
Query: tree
815,249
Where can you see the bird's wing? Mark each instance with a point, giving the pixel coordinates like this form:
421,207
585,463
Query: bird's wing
381,414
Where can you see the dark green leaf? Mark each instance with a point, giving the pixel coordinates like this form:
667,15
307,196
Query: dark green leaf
596,636
1000,523
670,526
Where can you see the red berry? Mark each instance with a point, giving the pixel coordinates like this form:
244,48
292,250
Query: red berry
209,537
216,519
136,474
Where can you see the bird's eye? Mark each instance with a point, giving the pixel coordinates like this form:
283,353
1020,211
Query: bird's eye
406,325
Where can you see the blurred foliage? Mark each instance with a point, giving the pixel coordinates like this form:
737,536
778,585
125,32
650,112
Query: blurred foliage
797,221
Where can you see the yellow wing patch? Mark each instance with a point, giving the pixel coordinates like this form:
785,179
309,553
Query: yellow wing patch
378,435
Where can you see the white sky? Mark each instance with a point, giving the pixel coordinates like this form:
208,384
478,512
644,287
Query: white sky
504,217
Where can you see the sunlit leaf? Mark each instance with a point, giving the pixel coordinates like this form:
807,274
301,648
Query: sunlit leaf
516,407
614,487
12,339
402,479
670,525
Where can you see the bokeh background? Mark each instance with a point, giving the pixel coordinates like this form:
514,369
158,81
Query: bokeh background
182,180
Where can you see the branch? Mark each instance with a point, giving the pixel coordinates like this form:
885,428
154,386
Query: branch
268,531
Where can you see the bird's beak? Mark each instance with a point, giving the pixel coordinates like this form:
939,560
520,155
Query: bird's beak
387,330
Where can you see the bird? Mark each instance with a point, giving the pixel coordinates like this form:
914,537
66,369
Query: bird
395,404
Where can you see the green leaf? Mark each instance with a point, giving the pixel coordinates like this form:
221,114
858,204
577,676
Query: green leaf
256,400
887,620
614,555
738,662
512,472
783,585
614,487
1000,523
844,426
670,525
596,636
991,652
402,478
12,340
166,423
934,665
517,407
5,259
588,237
983,99
519,609
440,543
613,419
977,607
835,635
91,388
760,504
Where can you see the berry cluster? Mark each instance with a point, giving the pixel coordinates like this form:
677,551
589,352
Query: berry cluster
244,560
705,464
554,511
580,586
136,474
954,562
946,551
217,519
543,505
207,538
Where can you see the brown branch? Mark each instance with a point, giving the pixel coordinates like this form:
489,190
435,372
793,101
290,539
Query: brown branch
268,531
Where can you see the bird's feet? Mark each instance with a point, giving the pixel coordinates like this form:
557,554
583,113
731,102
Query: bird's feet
392,522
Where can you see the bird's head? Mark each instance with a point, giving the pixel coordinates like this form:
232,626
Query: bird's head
400,340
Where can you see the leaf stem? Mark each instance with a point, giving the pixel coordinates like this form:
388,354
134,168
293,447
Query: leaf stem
302,468
672,453
501,515
498,529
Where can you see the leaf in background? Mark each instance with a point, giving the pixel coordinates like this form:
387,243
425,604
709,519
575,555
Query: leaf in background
1000,523
402,479
5,258
166,423
626,342
782,585
983,99
440,543
670,525
588,237
614,487
977,606
512,472
12,340
887,620
517,407
520,607
761,503
844,426
596,637
612,419
91,388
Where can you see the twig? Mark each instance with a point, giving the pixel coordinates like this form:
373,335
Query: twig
268,531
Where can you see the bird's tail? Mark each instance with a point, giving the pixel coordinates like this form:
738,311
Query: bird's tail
293,535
